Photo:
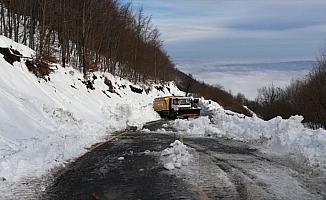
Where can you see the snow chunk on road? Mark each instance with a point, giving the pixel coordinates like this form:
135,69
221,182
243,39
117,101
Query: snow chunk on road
121,158
175,156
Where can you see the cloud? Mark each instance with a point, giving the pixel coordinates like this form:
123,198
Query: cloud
248,83
242,50
197,20
280,16
239,30
247,78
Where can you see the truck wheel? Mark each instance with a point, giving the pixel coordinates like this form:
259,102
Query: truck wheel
173,115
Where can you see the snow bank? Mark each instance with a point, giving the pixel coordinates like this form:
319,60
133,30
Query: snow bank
8,43
45,123
279,135
175,156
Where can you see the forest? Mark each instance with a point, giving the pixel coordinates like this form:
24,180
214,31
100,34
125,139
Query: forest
90,35
306,97
101,35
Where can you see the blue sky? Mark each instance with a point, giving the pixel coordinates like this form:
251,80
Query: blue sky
234,31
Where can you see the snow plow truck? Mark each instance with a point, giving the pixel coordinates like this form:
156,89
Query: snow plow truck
177,107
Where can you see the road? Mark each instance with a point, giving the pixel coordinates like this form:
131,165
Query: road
219,169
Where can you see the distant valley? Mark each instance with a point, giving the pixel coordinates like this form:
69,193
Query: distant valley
247,78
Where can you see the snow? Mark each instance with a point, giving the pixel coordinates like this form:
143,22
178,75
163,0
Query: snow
8,43
162,130
45,123
121,158
146,130
147,152
283,136
175,156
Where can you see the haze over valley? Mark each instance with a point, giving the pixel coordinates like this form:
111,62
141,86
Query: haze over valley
247,78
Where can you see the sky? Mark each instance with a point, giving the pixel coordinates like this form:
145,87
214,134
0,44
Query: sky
210,32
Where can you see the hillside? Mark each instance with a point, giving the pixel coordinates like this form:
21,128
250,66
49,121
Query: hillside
45,121
107,36
48,121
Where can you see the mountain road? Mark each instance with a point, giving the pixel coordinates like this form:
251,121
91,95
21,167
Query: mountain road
129,167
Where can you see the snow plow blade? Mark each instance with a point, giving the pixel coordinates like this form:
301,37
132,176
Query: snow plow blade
189,113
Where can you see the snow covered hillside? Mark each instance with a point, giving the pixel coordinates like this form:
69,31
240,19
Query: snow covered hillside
47,121
44,123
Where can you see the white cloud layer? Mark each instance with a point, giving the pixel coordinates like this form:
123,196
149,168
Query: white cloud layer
248,83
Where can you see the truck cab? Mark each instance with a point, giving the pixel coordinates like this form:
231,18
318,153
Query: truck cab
177,107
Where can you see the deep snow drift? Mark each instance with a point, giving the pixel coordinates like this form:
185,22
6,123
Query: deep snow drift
280,136
44,123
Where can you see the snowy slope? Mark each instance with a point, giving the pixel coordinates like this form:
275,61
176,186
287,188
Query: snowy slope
44,123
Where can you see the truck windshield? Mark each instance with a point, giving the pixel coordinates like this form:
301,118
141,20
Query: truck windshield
180,102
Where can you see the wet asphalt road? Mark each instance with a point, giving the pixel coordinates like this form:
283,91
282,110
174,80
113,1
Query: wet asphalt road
219,169
101,175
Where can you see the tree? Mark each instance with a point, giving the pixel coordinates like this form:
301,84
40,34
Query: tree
269,95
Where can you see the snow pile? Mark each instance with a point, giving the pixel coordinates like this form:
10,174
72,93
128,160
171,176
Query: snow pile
45,123
8,43
279,135
175,156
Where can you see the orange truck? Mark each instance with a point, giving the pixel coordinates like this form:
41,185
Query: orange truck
176,107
